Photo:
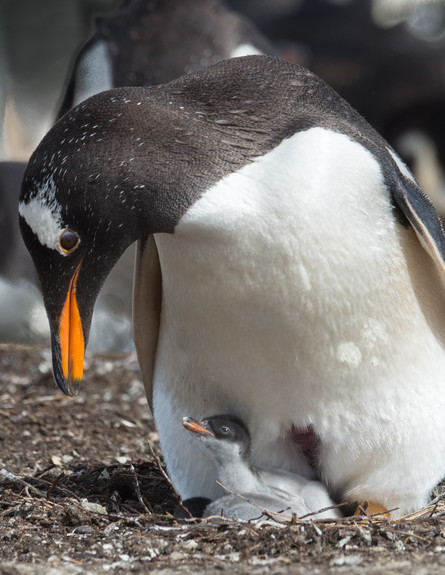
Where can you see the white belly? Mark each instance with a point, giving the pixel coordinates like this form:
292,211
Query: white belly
292,297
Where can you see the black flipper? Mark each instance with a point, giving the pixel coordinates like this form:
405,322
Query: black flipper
423,216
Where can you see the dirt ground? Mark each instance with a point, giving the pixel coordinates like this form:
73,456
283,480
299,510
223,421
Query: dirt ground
82,490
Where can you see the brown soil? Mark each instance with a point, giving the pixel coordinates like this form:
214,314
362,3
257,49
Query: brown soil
82,491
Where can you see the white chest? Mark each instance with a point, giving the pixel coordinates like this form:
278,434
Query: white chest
287,299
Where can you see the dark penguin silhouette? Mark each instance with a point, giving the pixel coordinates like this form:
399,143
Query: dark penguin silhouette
15,262
254,489
22,317
147,43
289,269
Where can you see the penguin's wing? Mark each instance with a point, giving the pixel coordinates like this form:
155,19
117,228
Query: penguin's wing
147,300
422,215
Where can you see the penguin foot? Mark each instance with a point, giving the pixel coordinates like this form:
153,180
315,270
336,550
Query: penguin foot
374,510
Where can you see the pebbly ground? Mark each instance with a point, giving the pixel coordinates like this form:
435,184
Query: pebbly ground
83,490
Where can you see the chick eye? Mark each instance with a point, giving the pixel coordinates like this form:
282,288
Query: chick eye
225,429
68,241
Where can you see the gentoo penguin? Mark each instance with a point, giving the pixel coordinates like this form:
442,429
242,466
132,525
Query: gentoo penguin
289,271
227,440
146,43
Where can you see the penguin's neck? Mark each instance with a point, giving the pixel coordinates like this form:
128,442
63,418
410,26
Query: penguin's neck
240,476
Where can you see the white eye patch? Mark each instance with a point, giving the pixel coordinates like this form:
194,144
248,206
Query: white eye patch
43,215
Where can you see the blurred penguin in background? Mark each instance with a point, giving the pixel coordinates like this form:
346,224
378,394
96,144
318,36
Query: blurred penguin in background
148,43
23,318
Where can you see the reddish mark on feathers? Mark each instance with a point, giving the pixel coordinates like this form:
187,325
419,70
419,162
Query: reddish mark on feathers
309,443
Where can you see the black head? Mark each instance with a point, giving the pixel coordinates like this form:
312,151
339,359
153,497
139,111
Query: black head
220,428
86,196
228,428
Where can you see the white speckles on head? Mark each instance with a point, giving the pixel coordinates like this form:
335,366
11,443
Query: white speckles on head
43,215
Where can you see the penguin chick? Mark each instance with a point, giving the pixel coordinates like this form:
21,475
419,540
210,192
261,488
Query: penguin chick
227,440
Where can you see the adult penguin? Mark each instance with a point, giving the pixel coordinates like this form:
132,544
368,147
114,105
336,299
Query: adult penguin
281,276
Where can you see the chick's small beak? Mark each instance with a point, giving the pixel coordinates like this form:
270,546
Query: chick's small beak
195,427
68,344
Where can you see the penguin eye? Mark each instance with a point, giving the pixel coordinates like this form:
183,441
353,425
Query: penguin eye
68,241
224,429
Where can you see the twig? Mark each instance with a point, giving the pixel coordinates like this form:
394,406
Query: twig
378,515
120,517
437,499
54,485
138,490
64,490
16,479
408,535
323,510
433,511
45,471
168,480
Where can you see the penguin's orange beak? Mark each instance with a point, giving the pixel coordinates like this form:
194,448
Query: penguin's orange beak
195,427
71,342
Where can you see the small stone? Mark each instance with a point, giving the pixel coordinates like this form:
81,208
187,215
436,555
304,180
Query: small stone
44,367
94,507
83,529
190,545
126,423
104,367
343,541
56,460
390,535
345,560
365,536
176,556
124,557
104,474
